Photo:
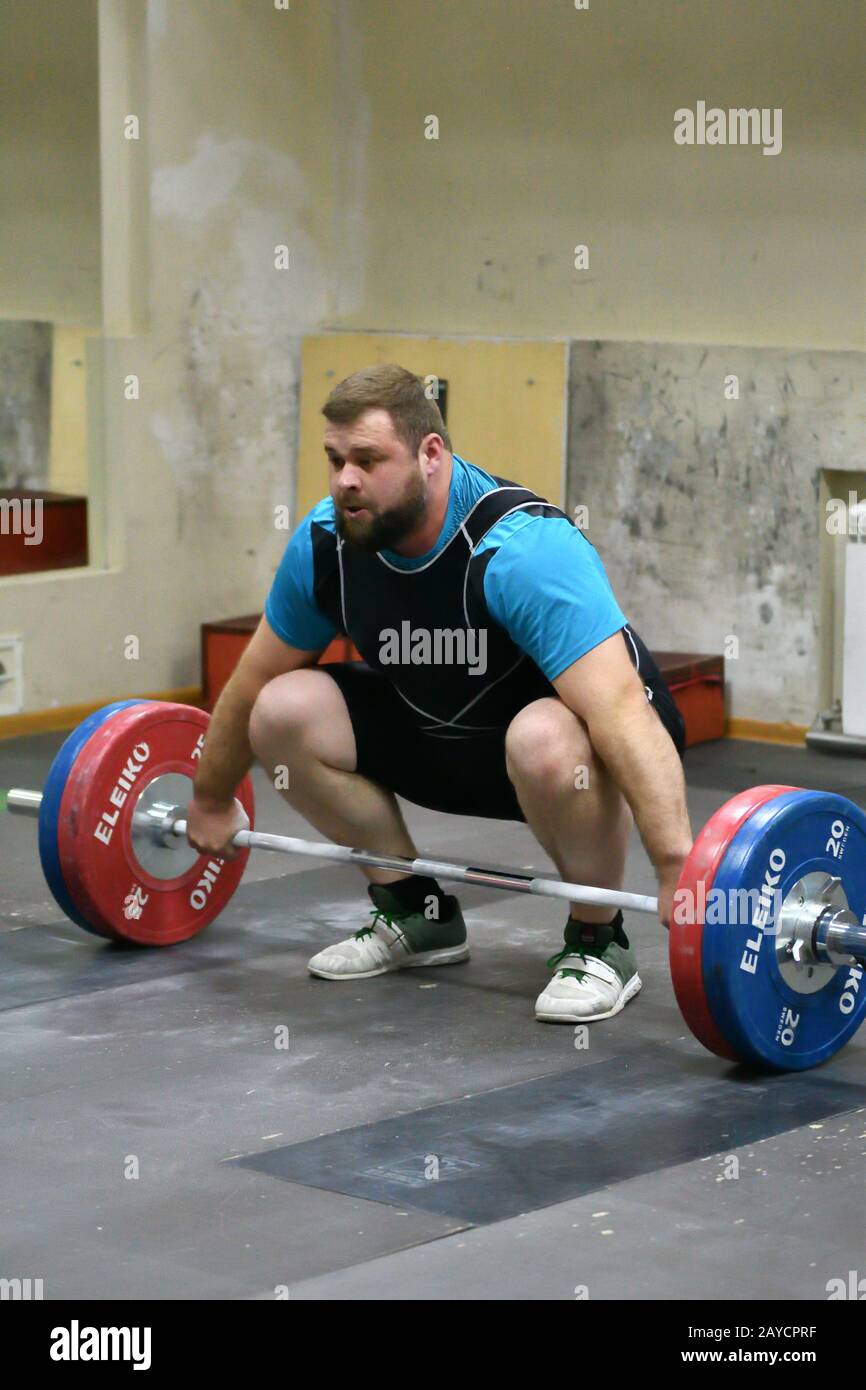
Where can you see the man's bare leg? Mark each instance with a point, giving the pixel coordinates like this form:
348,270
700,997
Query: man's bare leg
300,722
571,803
577,812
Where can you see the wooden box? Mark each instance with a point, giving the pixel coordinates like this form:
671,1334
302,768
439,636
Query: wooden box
696,680
697,683
223,642
63,544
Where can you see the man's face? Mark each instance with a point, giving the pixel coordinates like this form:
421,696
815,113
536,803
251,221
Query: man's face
379,488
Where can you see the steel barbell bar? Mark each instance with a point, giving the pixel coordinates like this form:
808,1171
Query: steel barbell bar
829,935
164,821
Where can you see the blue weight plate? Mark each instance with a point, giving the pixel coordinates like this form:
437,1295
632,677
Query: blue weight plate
49,810
769,1022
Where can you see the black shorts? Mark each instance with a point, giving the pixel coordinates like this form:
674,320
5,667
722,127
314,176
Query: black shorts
465,776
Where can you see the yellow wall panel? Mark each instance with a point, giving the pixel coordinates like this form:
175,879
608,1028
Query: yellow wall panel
506,402
68,471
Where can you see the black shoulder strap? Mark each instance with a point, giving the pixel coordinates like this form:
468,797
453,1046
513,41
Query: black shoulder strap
505,498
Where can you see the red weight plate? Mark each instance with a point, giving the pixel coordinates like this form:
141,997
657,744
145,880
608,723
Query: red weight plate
685,945
106,879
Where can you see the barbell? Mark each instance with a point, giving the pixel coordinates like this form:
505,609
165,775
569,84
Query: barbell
766,941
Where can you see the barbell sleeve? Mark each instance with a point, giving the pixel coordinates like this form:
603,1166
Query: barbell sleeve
838,936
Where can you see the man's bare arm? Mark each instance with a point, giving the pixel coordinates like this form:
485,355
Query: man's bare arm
604,689
227,755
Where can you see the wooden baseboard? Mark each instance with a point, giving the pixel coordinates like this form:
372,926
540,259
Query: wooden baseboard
70,716
756,731
47,721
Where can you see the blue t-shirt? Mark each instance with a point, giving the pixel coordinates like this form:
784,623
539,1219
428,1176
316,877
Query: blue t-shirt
546,585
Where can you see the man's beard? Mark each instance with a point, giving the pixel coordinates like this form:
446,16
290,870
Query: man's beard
383,530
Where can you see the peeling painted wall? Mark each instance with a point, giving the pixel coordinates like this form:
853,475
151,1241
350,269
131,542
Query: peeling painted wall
25,404
556,129
304,128
706,511
236,157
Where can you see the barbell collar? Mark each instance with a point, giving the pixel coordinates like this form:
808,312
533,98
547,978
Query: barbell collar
839,938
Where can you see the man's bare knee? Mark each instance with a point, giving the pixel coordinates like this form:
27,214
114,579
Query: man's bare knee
545,744
281,710
302,712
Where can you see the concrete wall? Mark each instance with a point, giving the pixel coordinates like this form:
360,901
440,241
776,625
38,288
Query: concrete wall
708,511
556,128
305,128
235,156
25,403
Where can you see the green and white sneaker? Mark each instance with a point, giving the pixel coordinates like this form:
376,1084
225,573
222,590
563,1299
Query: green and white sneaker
595,975
394,940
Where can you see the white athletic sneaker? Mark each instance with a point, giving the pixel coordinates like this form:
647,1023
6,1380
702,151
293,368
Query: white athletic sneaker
587,985
393,941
